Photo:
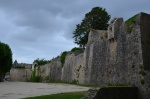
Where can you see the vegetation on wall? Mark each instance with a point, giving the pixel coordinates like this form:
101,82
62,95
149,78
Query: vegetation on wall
35,78
5,60
130,22
40,61
76,49
20,67
97,18
63,57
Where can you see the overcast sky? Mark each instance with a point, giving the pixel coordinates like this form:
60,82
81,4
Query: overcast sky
43,28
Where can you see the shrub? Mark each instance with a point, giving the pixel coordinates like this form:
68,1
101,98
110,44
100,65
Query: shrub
74,81
35,78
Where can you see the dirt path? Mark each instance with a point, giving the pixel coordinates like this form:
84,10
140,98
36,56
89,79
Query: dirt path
17,90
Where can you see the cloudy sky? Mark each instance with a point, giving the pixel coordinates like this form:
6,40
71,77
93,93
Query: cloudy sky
43,28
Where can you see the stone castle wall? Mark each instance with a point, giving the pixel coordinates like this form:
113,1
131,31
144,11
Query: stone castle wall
51,70
112,56
71,70
18,74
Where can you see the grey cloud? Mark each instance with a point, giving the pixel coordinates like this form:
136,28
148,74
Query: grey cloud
43,28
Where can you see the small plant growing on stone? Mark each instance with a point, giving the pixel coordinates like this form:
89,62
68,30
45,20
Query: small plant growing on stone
74,81
47,78
142,81
142,72
101,37
106,35
141,66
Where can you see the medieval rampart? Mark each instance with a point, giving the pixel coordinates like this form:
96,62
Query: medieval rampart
119,55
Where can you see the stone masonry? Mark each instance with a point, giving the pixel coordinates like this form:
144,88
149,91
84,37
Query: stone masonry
113,56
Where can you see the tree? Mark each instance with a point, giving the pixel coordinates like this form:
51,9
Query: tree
40,61
97,18
5,60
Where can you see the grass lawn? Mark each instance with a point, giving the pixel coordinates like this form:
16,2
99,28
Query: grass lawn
70,95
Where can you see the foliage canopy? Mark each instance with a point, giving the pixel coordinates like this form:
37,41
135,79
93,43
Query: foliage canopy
97,18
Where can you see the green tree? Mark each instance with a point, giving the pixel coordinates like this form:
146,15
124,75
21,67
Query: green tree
97,18
41,61
5,60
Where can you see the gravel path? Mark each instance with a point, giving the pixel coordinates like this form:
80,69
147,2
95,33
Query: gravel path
17,90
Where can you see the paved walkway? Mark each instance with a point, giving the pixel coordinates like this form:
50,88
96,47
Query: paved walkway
17,90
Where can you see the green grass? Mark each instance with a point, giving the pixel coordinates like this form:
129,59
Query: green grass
70,95
111,84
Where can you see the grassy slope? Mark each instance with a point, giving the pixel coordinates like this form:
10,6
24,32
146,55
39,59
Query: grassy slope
129,23
70,95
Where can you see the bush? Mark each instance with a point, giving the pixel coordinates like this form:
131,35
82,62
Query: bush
35,78
74,82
